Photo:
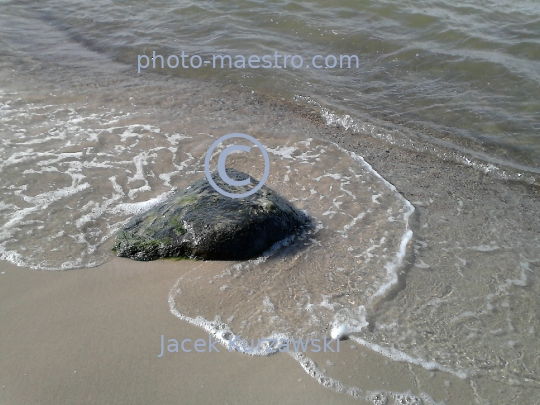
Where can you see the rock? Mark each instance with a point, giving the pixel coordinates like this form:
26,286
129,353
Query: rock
200,223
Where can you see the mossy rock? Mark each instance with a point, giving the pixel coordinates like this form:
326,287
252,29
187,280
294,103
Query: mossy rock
200,223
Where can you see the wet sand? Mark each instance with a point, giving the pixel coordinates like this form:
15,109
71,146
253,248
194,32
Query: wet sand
93,335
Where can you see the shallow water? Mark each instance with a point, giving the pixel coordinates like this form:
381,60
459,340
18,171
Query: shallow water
87,143
466,72
348,260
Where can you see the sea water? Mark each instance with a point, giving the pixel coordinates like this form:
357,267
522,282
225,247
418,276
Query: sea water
87,142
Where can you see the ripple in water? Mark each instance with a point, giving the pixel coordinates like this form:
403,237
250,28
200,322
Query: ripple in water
321,282
83,150
75,173
72,178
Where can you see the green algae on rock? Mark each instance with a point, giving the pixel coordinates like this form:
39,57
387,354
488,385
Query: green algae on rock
200,223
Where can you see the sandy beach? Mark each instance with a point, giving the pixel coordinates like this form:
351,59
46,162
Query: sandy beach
419,173
92,336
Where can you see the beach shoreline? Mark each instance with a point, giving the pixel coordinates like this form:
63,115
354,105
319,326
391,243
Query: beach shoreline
92,335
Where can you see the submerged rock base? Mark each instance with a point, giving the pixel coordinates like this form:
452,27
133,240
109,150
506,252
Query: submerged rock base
200,223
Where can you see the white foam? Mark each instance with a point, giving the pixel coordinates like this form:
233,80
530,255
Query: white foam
397,355
345,322
284,151
406,398
138,207
484,248
441,148
393,266
377,398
